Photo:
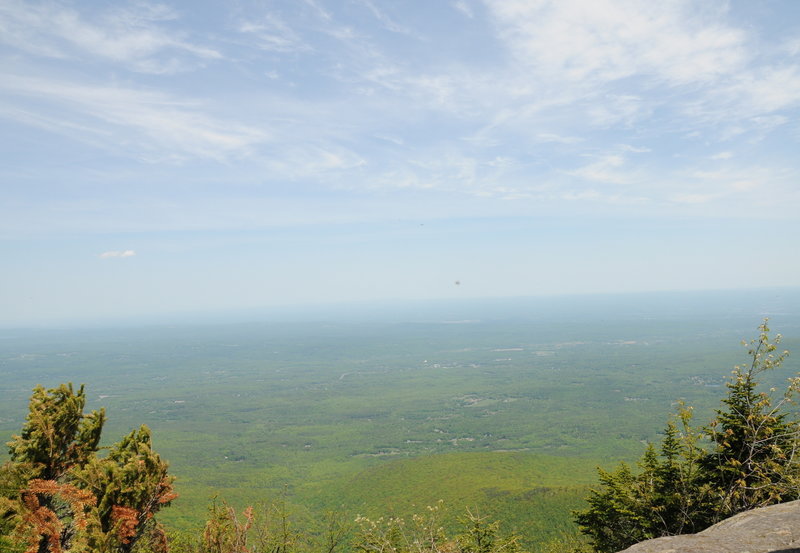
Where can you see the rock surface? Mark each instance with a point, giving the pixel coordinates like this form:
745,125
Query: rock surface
774,529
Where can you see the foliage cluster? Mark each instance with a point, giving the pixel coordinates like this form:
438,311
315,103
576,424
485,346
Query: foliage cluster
269,530
425,534
745,458
57,495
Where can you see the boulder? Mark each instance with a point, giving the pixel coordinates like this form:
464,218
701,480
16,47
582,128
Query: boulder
773,529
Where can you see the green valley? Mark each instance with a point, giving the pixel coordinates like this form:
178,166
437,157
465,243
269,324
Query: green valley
503,407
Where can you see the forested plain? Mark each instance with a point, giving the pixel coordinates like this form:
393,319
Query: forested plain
502,406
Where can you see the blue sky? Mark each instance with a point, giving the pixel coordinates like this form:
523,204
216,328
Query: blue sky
196,156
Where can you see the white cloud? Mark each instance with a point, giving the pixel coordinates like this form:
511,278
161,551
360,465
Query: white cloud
117,253
392,139
318,10
580,196
722,155
606,169
667,68
792,46
742,178
273,34
616,110
312,160
134,36
449,170
634,149
565,92
438,89
766,123
733,189
388,23
605,40
767,90
464,8
693,198
163,127
749,102
553,137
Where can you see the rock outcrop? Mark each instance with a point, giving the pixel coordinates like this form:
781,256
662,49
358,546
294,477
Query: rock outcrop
774,529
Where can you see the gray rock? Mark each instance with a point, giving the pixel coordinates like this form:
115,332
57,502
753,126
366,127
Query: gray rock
773,529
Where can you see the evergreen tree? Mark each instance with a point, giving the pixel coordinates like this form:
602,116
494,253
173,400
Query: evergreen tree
59,496
745,458
57,435
616,517
752,462
130,485
680,500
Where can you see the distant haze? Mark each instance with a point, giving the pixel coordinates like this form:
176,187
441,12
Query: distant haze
710,310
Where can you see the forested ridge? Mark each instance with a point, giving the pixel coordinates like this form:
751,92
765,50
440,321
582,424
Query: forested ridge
62,491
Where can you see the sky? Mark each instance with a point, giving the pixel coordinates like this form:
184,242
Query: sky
162,158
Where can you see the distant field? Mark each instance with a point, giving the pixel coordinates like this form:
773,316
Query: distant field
508,406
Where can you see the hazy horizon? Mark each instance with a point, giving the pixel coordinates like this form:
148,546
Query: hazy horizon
752,305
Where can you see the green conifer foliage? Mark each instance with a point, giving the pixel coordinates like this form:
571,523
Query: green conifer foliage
752,462
59,496
57,435
616,517
745,458
131,484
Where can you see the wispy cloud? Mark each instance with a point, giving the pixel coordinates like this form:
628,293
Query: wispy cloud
318,10
634,149
617,110
464,8
136,36
693,199
611,101
607,40
319,161
622,62
608,169
116,254
388,23
553,137
765,90
274,34
162,127
792,46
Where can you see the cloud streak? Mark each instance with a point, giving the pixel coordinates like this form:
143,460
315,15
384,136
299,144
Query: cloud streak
163,128
134,35
273,34
117,254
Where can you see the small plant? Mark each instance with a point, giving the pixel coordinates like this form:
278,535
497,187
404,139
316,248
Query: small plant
425,534
266,529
